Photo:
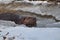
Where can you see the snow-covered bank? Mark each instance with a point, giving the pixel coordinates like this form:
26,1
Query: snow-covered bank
35,8
45,8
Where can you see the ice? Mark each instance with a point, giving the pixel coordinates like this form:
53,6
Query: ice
43,22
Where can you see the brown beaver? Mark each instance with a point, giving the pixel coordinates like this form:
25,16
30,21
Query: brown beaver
18,19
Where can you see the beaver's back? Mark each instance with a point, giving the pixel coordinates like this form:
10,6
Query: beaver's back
9,17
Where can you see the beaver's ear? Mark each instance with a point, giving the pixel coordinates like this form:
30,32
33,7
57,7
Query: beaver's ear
21,20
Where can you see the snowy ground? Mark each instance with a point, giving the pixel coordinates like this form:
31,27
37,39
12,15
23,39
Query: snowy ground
23,33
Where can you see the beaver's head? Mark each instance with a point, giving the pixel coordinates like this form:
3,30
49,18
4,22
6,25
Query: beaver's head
29,21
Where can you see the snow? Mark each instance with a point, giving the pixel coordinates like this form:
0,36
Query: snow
25,33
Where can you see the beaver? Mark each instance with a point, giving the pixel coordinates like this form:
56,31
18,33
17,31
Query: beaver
18,19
